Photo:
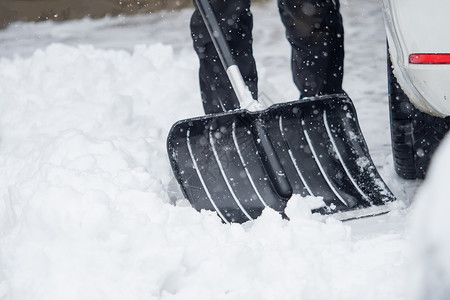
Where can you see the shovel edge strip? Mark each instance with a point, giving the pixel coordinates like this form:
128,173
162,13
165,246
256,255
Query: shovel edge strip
359,213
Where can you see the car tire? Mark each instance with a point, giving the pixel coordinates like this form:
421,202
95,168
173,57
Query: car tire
414,135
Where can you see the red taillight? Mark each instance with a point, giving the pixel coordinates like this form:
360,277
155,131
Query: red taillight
430,58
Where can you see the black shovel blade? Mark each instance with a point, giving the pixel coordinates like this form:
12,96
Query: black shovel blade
225,162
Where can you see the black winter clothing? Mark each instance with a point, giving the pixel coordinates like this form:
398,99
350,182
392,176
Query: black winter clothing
313,28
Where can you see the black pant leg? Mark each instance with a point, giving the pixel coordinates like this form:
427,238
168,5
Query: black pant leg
314,30
236,21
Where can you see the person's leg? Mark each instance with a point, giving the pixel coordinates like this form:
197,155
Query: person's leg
236,21
314,30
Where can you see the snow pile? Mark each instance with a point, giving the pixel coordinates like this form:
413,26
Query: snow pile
84,205
431,208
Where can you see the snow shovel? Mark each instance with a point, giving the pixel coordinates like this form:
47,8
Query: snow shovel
239,162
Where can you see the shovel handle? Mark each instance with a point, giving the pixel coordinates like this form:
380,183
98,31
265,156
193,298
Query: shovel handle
223,50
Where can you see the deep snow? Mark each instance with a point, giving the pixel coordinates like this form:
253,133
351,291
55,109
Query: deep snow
85,213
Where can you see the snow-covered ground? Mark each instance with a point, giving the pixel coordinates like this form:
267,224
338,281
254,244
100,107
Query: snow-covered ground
86,186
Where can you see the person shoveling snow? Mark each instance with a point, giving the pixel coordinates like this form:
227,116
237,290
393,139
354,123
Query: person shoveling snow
237,162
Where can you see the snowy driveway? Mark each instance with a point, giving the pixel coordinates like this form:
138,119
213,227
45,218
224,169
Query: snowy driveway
84,197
